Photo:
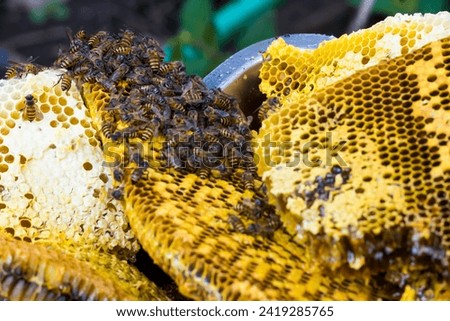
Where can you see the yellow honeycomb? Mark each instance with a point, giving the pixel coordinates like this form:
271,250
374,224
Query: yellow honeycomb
63,271
51,169
360,170
181,221
290,69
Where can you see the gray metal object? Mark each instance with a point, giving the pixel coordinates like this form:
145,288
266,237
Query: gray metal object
238,75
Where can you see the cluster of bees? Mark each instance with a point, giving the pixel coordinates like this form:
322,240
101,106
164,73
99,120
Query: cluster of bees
323,185
204,129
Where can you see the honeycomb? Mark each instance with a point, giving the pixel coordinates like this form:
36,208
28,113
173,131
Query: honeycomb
51,174
372,227
359,170
181,220
290,69
61,271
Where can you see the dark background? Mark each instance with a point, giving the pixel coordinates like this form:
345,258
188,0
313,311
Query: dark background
21,38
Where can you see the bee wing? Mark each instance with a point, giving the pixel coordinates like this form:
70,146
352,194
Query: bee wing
39,114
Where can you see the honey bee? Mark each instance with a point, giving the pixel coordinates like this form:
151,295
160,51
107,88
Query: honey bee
199,152
134,116
309,196
90,76
329,180
193,115
245,206
234,157
215,114
106,83
118,174
268,107
68,61
13,71
243,125
249,163
336,169
231,134
124,45
178,120
81,69
97,38
226,121
119,73
150,90
18,69
211,135
345,174
117,193
236,224
260,229
155,57
146,134
137,174
81,34
151,130
215,149
66,81
30,68
107,129
176,103
136,155
248,179
96,57
77,41
203,173
127,133
31,111
138,76
172,159
222,100
192,96
194,162
172,66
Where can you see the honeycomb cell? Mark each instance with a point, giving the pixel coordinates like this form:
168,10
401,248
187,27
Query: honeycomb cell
9,159
57,109
73,121
68,111
62,102
61,118
87,166
45,108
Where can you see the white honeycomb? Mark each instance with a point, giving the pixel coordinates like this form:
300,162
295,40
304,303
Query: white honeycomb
52,176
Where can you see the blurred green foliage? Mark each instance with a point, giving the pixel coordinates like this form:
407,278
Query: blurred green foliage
406,6
198,44
52,9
